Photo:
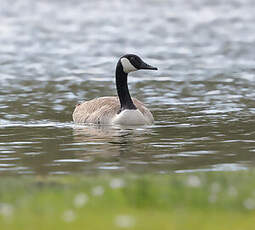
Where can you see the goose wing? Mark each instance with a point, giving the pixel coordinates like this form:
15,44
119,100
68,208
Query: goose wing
97,110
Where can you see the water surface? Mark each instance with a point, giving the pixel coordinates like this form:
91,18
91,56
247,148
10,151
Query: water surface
54,54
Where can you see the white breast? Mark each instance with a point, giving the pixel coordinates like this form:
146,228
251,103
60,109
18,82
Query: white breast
130,117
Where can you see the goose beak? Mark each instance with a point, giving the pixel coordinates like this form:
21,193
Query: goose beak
146,66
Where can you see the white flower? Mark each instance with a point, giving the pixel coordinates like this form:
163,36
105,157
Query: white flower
98,191
80,200
68,216
232,191
193,181
6,210
249,203
117,183
215,187
124,221
212,198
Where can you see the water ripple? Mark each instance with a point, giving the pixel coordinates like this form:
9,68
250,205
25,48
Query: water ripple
202,97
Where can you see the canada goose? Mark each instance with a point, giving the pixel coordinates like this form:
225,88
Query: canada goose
123,109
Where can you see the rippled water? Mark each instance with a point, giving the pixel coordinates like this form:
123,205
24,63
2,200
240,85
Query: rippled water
54,54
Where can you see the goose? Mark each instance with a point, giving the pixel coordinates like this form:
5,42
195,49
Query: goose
121,109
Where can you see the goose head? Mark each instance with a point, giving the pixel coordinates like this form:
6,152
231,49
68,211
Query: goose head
126,64
131,62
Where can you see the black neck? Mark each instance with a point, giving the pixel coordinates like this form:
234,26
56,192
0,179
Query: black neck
122,88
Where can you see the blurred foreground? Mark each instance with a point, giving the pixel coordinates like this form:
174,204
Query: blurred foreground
196,201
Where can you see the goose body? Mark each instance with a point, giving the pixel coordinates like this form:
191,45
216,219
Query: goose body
121,109
106,110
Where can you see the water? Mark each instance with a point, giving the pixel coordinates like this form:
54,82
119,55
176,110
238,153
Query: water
54,54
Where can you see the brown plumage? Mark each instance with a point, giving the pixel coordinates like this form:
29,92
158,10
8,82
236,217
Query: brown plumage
102,110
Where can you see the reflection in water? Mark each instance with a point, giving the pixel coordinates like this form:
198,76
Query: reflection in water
117,144
202,97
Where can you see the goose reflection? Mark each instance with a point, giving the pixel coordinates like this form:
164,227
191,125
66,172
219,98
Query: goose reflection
117,145
108,133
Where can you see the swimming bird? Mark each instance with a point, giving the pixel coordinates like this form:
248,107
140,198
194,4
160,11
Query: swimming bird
121,109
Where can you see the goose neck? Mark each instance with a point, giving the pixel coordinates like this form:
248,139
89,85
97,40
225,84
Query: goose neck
122,89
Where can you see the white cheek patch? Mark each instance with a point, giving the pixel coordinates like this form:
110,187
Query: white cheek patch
127,66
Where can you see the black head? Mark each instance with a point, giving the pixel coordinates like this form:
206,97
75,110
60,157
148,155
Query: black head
131,62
